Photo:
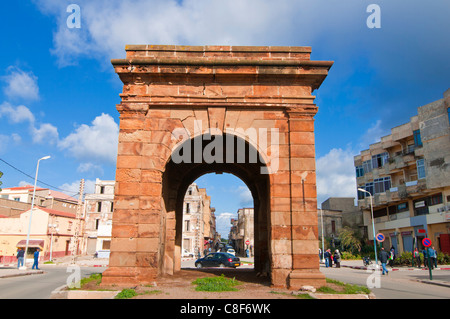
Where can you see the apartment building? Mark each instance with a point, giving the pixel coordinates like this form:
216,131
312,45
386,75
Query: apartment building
14,200
99,211
198,222
408,174
243,231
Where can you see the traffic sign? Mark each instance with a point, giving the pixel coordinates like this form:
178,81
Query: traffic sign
380,237
426,242
247,242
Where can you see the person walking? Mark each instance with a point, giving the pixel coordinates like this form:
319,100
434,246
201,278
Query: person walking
327,257
425,257
20,257
392,257
36,260
435,257
432,255
384,257
337,258
416,255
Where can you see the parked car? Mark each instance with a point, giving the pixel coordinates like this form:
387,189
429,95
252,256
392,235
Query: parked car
218,260
186,253
231,251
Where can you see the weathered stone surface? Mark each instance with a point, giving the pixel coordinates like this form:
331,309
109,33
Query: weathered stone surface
172,94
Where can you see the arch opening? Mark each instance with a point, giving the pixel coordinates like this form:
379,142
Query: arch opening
179,175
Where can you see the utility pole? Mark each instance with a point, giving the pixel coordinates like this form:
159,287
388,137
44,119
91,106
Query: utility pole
77,223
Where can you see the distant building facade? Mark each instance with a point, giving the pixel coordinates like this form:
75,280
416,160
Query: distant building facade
99,212
408,174
242,231
199,228
14,200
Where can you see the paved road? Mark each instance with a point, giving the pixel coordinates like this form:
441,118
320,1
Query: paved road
400,284
39,286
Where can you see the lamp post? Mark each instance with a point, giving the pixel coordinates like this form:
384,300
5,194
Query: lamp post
373,224
31,211
323,248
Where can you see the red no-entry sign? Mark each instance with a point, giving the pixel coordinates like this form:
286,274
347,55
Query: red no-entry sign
426,242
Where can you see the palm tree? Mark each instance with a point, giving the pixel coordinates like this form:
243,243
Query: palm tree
350,239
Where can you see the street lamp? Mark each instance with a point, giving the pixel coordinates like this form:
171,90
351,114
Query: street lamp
323,251
31,211
373,223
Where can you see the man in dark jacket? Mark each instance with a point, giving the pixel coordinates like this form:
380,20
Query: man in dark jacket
20,257
384,257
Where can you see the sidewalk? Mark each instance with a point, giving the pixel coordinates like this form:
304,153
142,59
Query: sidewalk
10,270
358,264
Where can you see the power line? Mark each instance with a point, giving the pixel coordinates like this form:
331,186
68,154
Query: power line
32,178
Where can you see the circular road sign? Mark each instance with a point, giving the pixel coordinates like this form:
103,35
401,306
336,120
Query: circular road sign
426,242
380,237
247,242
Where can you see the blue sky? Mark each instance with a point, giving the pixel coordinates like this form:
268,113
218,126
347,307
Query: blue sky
58,90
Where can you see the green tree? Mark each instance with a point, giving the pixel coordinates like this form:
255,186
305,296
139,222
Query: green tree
350,239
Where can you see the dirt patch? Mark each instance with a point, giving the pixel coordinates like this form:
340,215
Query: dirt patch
179,286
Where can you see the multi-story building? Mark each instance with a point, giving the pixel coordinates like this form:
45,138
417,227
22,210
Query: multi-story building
99,211
14,200
336,213
408,174
242,231
198,222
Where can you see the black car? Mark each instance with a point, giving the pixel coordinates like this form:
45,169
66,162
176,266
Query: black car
218,260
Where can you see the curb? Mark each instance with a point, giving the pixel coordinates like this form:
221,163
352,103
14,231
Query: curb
39,272
62,293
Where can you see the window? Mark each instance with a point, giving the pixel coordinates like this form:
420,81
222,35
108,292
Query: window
99,207
379,212
97,221
379,160
417,139
112,207
359,171
188,208
381,185
421,169
187,225
367,166
333,226
369,188
436,199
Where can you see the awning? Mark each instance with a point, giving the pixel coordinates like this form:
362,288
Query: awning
32,243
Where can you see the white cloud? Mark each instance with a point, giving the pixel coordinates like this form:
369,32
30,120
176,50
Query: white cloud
335,175
245,196
97,142
21,84
223,223
45,134
90,167
74,188
373,134
17,114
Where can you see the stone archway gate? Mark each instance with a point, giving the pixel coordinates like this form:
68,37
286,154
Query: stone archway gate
172,88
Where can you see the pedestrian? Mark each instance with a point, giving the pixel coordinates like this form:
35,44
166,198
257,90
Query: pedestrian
20,257
337,258
36,259
384,257
327,257
425,257
392,257
416,256
433,257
